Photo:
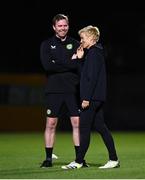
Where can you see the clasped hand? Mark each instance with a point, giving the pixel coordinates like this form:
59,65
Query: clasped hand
85,104
79,54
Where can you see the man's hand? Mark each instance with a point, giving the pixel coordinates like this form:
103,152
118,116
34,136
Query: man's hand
74,56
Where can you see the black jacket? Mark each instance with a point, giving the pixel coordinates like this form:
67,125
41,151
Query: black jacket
93,76
61,71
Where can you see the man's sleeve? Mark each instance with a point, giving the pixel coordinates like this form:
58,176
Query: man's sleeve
48,63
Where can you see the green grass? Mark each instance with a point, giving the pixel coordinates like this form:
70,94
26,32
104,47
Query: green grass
22,153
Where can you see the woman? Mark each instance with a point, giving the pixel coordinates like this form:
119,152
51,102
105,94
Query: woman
93,96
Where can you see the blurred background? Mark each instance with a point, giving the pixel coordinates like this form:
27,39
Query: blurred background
25,24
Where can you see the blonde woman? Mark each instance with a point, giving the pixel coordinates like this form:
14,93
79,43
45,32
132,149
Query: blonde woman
93,96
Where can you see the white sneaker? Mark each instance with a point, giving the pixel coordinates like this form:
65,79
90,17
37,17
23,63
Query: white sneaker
54,156
110,164
72,165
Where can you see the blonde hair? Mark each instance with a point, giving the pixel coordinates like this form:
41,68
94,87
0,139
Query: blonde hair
91,31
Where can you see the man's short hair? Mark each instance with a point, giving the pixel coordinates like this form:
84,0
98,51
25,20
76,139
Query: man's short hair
59,17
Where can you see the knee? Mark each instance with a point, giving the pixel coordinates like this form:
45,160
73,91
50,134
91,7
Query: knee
51,124
100,129
75,122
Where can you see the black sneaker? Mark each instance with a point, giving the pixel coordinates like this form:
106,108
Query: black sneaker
85,164
46,164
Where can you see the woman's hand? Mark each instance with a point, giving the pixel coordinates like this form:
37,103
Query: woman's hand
80,52
85,104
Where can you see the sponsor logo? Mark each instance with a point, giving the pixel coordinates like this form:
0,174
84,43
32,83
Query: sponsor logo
53,47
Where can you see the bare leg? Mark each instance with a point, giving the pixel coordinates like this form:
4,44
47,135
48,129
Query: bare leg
50,129
75,126
49,136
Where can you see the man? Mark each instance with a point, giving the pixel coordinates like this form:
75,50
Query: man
56,55
93,96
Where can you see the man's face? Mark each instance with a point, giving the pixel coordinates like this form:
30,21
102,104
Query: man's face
61,28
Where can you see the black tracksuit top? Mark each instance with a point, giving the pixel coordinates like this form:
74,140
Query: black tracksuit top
93,75
62,72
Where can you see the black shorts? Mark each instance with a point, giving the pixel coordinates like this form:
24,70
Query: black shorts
56,102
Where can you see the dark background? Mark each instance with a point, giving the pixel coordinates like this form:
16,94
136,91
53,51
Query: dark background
24,24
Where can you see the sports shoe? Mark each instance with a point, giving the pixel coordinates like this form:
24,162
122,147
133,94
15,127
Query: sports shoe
110,164
54,156
72,165
46,163
85,164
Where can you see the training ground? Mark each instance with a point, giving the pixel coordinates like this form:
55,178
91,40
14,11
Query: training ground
22,153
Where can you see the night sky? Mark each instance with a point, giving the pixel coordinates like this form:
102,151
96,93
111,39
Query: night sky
24,24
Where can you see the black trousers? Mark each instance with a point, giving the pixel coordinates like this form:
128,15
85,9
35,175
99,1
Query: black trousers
93,116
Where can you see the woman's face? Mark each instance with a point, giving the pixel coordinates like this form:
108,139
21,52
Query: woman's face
86,40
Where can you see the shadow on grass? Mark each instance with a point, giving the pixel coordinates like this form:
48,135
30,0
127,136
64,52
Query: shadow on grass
37,170
90,164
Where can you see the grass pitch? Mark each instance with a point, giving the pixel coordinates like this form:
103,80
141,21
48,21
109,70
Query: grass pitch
22,153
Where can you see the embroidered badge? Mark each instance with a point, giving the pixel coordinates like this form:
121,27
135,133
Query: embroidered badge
48,111
69,46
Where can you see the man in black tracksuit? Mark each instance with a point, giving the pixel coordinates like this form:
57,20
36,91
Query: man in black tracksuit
62,72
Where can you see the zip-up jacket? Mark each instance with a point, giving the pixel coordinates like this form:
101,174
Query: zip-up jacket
93,75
